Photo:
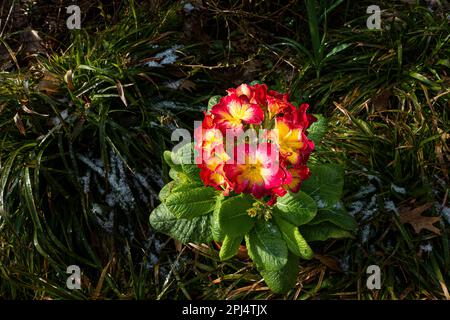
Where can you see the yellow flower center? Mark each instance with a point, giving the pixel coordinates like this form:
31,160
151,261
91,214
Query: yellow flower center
238,112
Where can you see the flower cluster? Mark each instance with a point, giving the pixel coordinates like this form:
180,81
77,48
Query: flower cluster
272,147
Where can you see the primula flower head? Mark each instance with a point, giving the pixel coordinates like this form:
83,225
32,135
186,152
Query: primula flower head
278,104
260,172
255,94
266,168
233,112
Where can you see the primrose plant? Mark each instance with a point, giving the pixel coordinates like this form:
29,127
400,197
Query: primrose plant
248,180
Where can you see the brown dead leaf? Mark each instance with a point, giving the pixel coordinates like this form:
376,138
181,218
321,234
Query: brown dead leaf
29,111
414,217
100,282
49,83
121,93
178,245
328,261
68,78
19,123
242,253
381,101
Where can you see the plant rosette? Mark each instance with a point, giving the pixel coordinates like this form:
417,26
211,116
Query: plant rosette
248,178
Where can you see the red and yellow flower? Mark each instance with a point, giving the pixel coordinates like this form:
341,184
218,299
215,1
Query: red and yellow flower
298,174
260,172
233,112
272,167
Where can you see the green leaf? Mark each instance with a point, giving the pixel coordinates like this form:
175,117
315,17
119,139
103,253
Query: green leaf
177,157
230,247
281,281
294,240
318,129
213,101
325,184
178,176
233,217
266,246
166,191
314,30
167,155
422,78
364,126
323,231
184,158
185,230
182,187
176,186
192,171
217,233
337,215
297,208
337,49
192,202
444,62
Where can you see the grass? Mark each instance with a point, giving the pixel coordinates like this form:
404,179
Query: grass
83,124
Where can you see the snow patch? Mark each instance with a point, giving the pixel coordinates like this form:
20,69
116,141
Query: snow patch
446,214
389,205
426,248
168,56
398,189
356,207
174,85
63,114
371,208
365,233
344,263
188,7
320,203
364,191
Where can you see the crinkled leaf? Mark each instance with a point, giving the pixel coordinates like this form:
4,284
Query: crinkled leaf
178,176
297,208
182,187
192,202
175,186
192,171
185,230
184,158
230,247
281,281
337,215
266,246
217,233
233,217
183,154
325,184
294,240
318,129
323,231
166,191
167,155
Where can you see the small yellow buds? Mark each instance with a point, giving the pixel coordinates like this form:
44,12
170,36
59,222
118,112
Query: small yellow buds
260,210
